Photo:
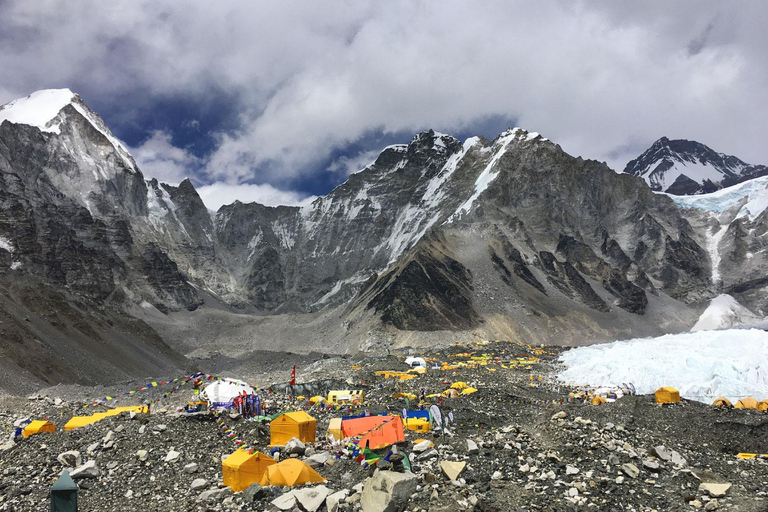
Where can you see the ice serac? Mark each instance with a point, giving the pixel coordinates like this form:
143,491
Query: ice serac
684,167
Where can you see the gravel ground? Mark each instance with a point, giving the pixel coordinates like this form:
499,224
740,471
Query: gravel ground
537,448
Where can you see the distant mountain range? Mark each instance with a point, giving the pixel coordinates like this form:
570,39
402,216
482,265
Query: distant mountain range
685,167
438,240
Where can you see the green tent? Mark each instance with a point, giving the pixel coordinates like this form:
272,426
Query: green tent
64,494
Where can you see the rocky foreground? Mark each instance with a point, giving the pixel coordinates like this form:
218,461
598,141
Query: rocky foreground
521,442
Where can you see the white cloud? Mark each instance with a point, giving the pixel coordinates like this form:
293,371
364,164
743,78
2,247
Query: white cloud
158,158
312,78
218,194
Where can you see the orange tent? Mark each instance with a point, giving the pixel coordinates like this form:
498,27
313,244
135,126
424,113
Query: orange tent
243,468
667,395
746,403
762,405
290,472
722,402
376,431
597,400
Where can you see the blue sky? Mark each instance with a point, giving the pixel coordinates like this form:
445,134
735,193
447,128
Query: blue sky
278,102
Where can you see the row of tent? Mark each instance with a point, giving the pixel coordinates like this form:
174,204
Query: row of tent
745,403
40,426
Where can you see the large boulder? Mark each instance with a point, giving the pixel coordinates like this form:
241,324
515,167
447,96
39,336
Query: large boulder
312,498
388,491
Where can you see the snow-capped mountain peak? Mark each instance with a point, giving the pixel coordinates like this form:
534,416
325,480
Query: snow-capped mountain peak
43,110
684,167
39,109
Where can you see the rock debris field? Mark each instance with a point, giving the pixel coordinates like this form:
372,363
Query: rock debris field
520,442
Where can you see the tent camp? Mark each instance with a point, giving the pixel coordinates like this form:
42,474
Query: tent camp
241,469
722,402
416,362
290,472
64,494
292,424
221,393
375,431
38,426
746,403
667,395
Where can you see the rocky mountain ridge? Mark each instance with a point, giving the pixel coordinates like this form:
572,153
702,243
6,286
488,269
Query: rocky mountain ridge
434,241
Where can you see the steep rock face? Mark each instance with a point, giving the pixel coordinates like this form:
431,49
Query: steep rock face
427,290
684,167
434,235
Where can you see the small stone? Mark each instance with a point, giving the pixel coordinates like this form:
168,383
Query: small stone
571,470
714,490
198,484
452,469
142,455
630,470
559,415
294,445
70,458
497,475
573,492
422,446
191,468
712,505
172,456
87,470
472,447
651,464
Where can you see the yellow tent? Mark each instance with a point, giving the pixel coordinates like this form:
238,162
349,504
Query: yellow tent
459,385
290,472
317,399
667,395
746,403
38,426
416,424
409,396
722,402
81,421
241,469
450,393
762,405
468,391
340,396
597,400
417,371
292,424
334,429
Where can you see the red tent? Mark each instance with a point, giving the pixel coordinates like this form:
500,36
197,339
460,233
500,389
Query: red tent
376,431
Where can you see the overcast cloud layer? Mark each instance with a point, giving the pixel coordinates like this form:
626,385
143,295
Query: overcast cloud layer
286,93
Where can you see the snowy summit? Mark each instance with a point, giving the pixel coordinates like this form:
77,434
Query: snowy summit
39,109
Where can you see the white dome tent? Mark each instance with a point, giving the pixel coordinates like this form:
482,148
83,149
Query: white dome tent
222,392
